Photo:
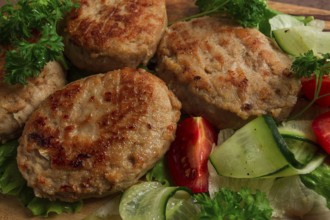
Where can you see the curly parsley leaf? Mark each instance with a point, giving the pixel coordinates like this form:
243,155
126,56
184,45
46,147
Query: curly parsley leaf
246,13
29,26
309,65
30,58
228,204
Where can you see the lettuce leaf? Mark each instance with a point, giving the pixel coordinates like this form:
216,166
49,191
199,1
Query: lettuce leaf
289,197
159,173
319,181
12,183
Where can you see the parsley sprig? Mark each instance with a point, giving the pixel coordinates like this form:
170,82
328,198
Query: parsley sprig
228,204
310,65
247,13
19,24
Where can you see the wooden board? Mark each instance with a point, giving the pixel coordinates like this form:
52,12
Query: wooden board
180,8
11,209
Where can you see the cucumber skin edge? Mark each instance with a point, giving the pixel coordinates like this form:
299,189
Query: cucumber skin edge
280,142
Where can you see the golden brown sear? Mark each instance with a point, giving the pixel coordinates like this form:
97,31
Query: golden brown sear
106,35
98,135
226,73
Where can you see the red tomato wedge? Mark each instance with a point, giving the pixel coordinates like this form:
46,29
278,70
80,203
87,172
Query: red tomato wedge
308,88
188,155
321,128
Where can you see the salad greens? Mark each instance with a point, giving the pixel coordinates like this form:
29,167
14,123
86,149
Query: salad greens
12,183
308,65
228,204
159,173
38,19
29,27
152,200
319,181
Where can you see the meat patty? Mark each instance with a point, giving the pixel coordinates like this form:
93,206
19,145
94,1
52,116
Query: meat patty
17,102
226,73
108,35
98,135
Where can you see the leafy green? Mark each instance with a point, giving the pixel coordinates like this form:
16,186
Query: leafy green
309,65
159,173
12,183
228,204
30,58
288,196
319,181
247,13
30,28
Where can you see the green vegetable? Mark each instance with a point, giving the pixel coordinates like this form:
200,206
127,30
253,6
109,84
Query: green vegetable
12,183
29,26
309,65
159,173
288,196
319,181
298,40
228,204
247,13
258,150
152,200
109,210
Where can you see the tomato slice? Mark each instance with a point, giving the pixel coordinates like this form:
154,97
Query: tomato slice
188,155
308,88
321,128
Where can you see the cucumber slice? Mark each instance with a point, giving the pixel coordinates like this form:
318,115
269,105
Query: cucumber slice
151,200
251,152
300,39
298,128
259,150
300,139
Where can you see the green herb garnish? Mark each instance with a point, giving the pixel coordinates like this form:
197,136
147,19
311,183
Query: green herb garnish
228,204
246,13
309,65
29,26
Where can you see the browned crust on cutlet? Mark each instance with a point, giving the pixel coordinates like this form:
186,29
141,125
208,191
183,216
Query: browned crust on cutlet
102,35
225,72
98,135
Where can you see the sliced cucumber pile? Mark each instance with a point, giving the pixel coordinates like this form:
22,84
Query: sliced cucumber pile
259,150
298,40
152,200
300,140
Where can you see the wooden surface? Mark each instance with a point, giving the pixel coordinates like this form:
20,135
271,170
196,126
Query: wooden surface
322,4
180,8
10,209
300,10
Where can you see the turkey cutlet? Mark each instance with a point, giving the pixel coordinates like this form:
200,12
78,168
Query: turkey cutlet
98,135
101,36
226,73
17,102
